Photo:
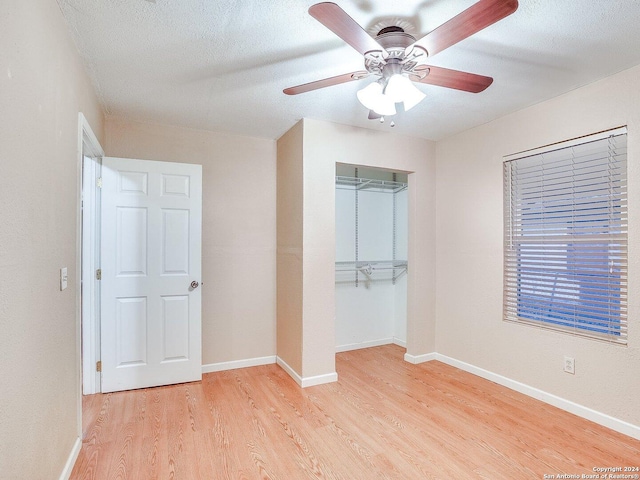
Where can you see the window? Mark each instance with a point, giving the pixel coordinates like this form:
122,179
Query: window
565,233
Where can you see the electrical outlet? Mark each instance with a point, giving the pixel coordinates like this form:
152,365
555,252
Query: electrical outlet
569,365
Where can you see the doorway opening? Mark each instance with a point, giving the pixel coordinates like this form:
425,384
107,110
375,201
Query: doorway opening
371,257
88,262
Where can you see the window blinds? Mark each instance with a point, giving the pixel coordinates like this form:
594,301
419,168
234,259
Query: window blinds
565,234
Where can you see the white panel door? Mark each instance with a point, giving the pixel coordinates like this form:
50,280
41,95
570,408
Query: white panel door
150,261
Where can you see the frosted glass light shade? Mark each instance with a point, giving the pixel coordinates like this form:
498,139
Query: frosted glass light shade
401,89
372,98
368,94
412,97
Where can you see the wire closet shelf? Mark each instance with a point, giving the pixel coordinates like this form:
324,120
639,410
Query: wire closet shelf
370,184
390,269
370,268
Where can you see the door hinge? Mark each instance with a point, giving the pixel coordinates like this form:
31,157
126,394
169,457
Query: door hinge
99,366
99,274
99,182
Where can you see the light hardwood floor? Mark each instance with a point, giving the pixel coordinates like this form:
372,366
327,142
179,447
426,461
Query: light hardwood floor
383,419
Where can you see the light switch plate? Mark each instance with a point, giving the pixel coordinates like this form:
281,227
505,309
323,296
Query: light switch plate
63,278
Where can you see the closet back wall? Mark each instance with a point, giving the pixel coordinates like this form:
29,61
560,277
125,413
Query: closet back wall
373,312
238,229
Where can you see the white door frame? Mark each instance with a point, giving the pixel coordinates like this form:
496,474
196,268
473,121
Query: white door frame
87,260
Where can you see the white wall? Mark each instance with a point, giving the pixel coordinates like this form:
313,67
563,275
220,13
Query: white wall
469,252
42,88
238,229
402,253
369,312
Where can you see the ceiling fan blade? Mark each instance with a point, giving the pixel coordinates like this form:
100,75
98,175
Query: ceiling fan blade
336,19
465,24
443,77
325,82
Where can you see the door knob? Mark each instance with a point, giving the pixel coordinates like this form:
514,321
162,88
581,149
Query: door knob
194,284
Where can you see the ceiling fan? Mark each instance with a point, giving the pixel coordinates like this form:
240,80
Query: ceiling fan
397,59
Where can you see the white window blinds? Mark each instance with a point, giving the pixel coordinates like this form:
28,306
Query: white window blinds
565,234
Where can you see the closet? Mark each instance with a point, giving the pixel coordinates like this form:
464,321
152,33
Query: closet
371,257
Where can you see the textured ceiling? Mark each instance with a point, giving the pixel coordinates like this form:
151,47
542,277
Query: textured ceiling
222,64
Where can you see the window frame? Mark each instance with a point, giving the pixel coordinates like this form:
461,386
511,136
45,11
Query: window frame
559,250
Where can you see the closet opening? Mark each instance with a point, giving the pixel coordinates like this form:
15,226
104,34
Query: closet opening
371,257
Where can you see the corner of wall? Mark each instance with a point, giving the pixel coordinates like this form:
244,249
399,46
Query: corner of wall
289,252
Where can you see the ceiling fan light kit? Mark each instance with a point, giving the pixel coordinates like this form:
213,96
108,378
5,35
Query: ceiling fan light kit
402,90
397,58
382,95
373,97
392,87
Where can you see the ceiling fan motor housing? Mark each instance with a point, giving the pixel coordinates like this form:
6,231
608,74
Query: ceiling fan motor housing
397,59
395,40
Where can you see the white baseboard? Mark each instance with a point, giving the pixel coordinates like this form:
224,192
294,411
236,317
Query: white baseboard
567,405
307,381
292,373
415,359
319,379
71,461
249,362
369,344
399,342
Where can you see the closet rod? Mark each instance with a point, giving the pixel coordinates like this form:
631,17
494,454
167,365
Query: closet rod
369,267
397,268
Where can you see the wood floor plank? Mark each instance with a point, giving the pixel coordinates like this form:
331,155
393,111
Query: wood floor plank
383,419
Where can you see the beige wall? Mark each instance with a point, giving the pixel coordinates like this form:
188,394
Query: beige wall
469,246
42,88
238,229
290,221
325,144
